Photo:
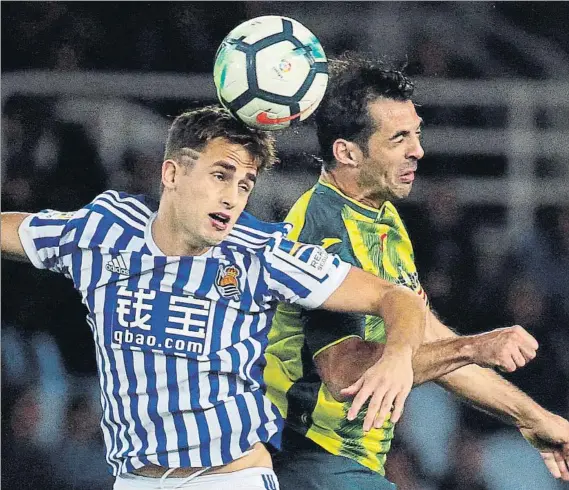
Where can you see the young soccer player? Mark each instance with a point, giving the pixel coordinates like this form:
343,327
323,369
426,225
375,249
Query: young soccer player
180,296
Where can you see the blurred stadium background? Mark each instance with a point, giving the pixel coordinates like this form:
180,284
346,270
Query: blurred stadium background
88,90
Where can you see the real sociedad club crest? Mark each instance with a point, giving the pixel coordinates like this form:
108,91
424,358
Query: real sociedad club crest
226,281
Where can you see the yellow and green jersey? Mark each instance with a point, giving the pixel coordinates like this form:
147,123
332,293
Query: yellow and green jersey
376,241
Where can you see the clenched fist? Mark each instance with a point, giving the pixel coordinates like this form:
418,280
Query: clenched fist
504,348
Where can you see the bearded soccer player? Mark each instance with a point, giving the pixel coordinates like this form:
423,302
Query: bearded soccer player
369,135
180,296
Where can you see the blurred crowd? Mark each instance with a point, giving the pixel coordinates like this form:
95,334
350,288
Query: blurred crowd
59,153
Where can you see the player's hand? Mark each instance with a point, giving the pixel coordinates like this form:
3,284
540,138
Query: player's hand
388,383
504,348
550,436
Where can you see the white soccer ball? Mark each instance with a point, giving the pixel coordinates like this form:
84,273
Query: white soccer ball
271,72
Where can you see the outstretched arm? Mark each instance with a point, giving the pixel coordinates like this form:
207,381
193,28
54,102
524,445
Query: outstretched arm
11,245
488,391
341,364
458,363
389,380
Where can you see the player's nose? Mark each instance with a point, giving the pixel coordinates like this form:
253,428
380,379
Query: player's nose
416,151
230,196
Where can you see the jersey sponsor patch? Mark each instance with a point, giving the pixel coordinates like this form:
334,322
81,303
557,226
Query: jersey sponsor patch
158,321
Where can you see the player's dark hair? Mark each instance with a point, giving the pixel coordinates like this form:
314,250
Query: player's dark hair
353,83
196,128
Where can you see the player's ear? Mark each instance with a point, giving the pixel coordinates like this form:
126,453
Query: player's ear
346,152
170,170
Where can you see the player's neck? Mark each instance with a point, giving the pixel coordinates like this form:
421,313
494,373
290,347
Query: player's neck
350,188
170,238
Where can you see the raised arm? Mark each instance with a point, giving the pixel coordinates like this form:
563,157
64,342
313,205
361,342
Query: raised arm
11,245
389,380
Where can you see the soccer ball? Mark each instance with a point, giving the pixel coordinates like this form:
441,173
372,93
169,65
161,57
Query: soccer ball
270,72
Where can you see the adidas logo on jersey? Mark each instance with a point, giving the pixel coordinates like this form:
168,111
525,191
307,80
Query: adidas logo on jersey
117,265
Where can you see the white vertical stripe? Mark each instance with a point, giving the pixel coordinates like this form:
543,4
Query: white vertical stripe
136,244
143,399
236,427
86,273
205,387
115,231
144,278
227,328
251,403
215,433
253,275
183,384
124,388
271,426
170,273
193,439
91,226
243,356
223,386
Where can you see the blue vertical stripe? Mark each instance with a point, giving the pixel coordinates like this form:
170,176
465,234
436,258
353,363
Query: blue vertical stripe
174,409
152,391
215,361
203,431
245,418
226,431
184,268
208,279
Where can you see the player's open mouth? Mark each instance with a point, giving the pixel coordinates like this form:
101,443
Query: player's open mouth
219,220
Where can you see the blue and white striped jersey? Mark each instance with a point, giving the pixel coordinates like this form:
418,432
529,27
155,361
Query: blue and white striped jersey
179,341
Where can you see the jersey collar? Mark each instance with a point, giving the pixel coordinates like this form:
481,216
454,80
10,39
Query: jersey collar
364,209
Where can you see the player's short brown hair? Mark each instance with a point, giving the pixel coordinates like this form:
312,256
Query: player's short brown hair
194,129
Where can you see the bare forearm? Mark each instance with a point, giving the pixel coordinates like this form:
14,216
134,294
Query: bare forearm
404,314
480,386
11,245
344,363
438,358
486,390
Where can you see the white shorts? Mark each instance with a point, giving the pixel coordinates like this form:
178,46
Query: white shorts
249,478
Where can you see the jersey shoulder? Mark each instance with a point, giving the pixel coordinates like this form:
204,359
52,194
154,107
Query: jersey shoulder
253,234
316,215
126,215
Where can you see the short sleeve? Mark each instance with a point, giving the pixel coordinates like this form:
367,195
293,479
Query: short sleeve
303,274
47,238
